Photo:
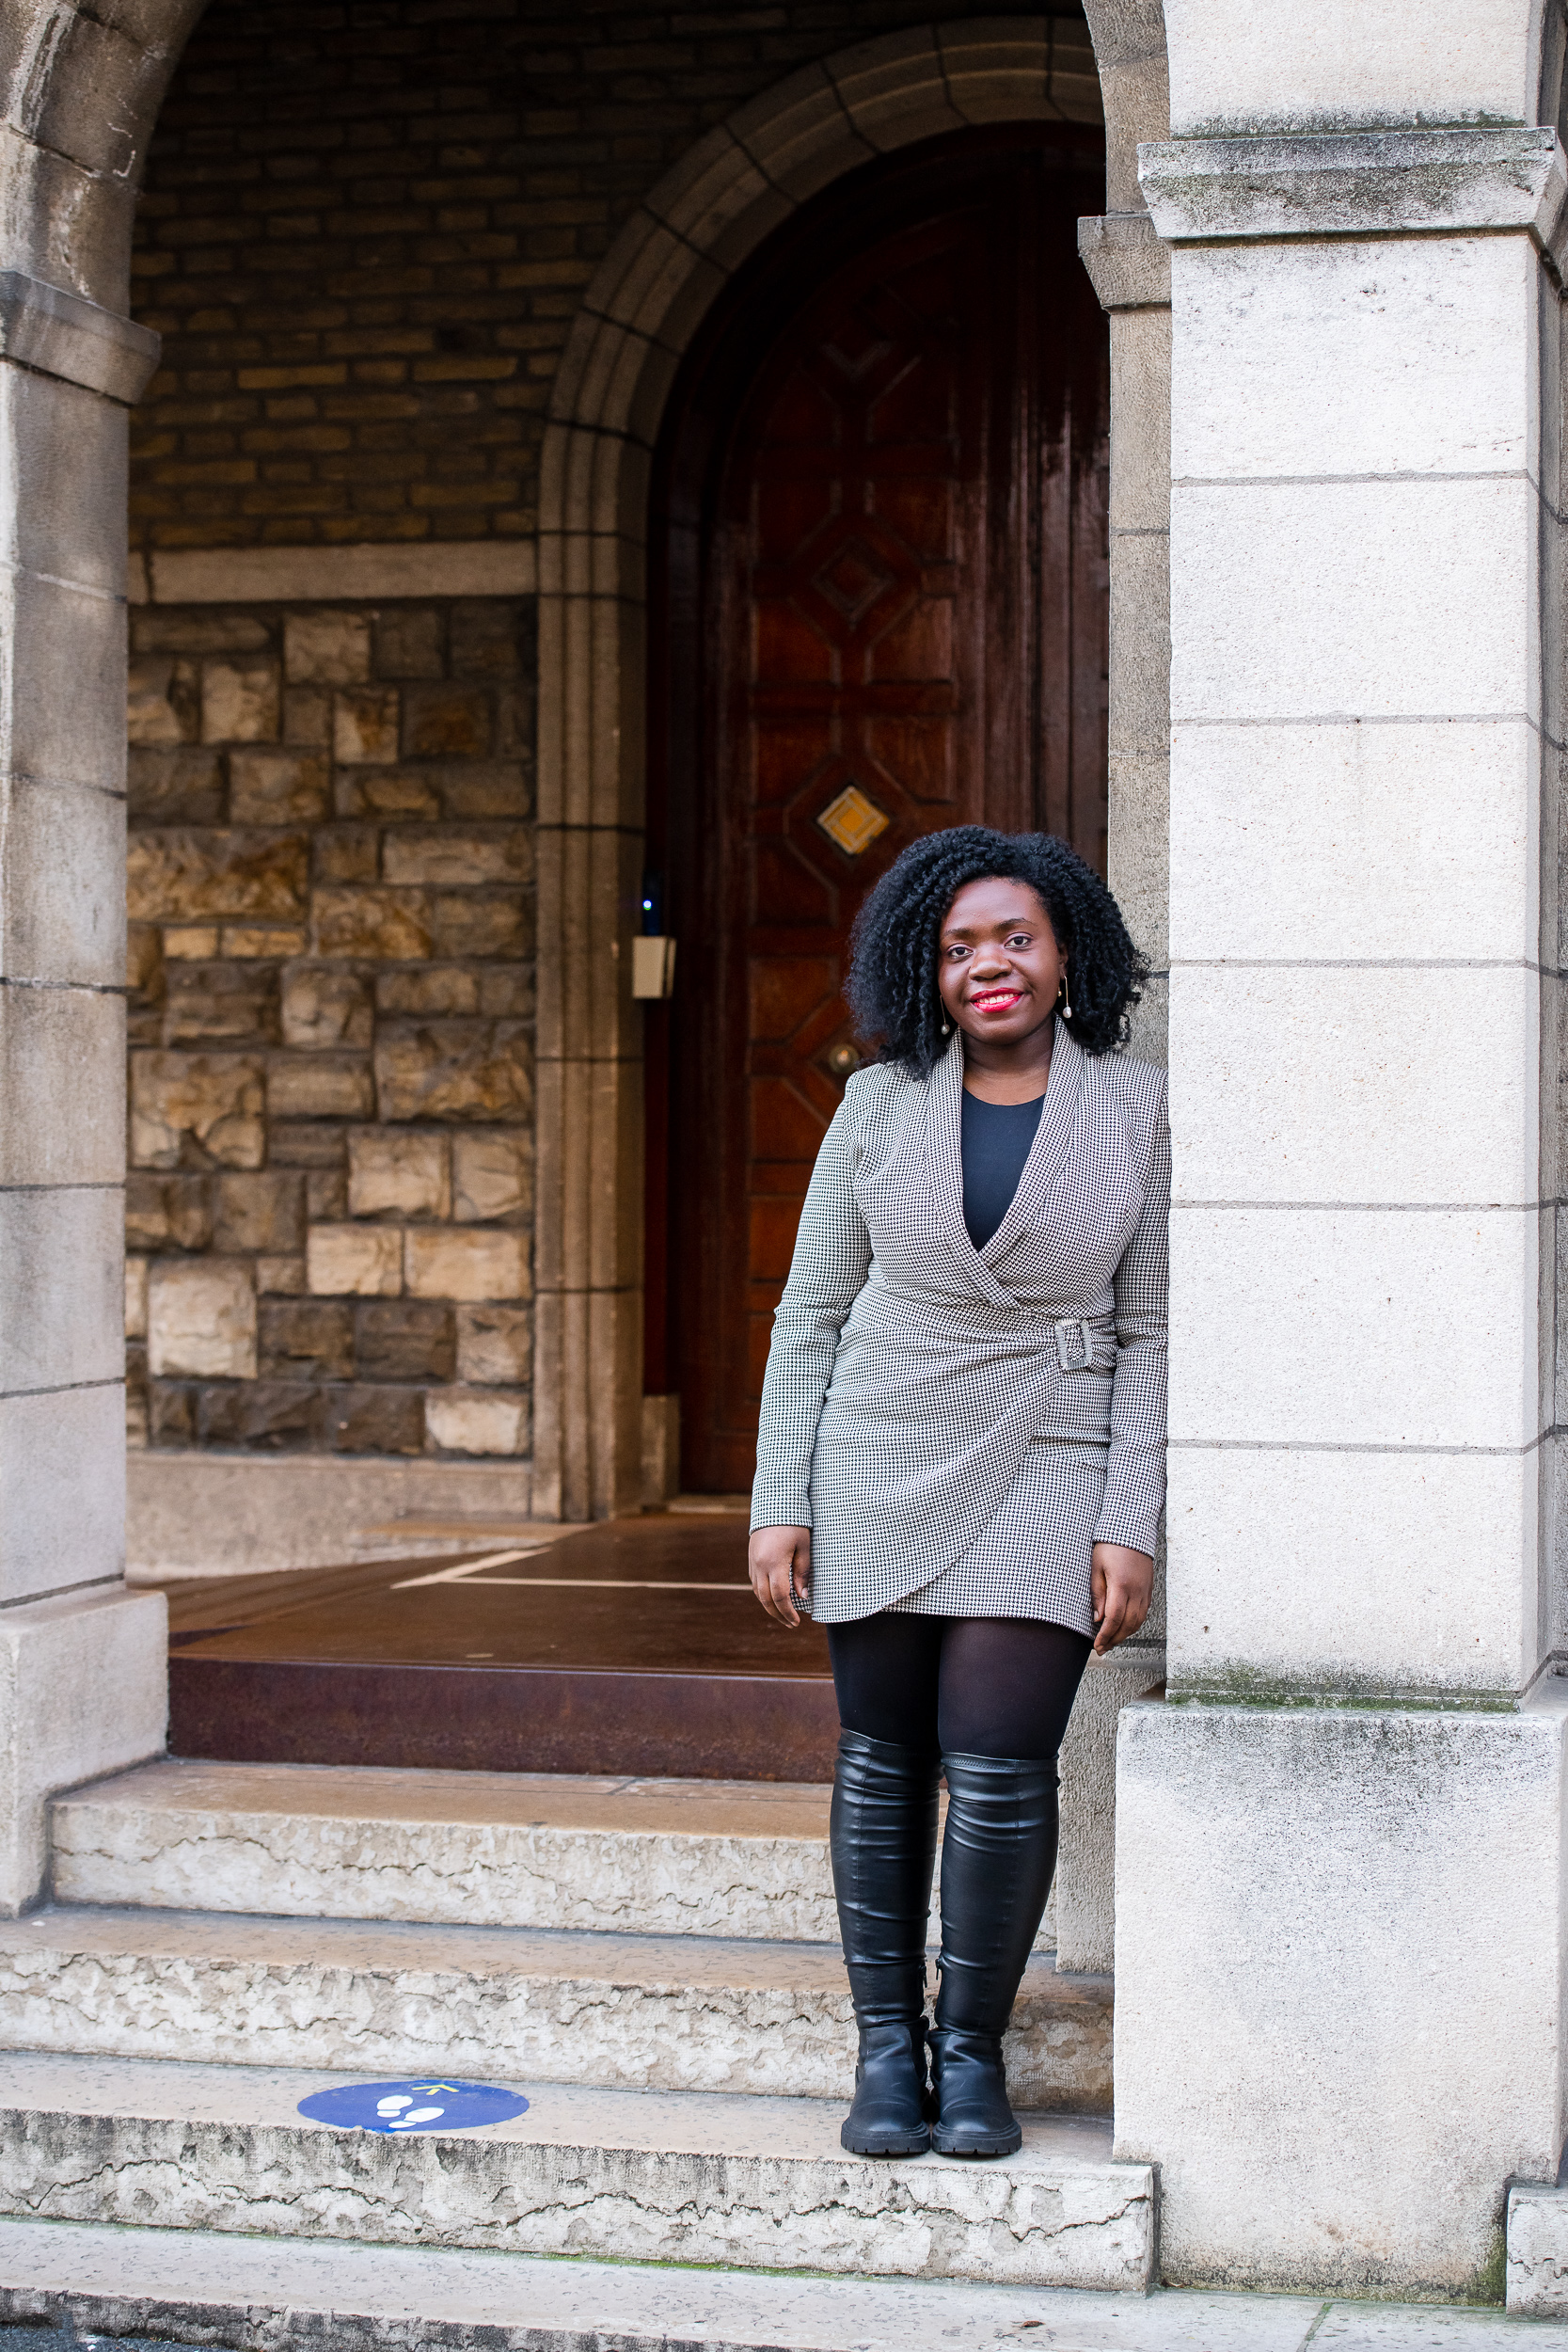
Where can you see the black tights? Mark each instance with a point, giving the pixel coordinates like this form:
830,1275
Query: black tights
968,1686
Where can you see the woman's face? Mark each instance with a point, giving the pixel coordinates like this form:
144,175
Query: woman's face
998,965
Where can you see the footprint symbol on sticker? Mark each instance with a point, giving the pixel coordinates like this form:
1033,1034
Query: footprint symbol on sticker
400,2122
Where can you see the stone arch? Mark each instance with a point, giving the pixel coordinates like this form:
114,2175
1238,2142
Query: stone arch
665,269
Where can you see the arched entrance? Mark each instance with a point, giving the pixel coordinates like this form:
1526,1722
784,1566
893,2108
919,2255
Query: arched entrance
879,608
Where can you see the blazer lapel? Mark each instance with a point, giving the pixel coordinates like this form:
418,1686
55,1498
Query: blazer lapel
1052,1137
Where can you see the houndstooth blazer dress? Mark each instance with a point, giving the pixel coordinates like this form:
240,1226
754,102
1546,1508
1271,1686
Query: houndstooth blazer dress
959,1427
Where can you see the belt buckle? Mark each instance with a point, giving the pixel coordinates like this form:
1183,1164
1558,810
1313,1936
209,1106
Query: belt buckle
1086,1357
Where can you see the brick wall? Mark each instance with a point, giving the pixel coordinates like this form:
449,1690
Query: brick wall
332,1027
366,228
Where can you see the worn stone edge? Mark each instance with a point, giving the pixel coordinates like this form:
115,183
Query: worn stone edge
1363,184
1128,263
63,335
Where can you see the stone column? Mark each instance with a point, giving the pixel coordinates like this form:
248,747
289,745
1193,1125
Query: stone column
1129,270
82,1660
1339,1871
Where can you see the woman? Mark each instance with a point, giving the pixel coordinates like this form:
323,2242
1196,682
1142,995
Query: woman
961,1459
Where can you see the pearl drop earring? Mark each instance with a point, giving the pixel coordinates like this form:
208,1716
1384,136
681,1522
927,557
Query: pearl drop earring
1067,1001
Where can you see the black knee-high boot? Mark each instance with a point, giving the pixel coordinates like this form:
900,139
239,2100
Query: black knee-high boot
998,1853
882,1836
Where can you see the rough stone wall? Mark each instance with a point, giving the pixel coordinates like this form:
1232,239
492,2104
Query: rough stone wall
365,233
332,1026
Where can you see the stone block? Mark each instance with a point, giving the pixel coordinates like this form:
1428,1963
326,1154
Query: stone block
171,1414
175,788
62,889
62,1470
279,787
488,788
1344,842
492,1176
307,717
409,642
470,1265
84,1690
390,923
481,1420
365,727
1425,624
190,943
276,1415
62,1289
240,702
282,1277
394,793
1348,2128
482,923
346,853
376,1421
363,1260
1444,1342
495,1346
491,639
468,1070
1473,63
168,1212
1413,371
305,1337
506,993
135,1299
407,1173
180,876
305,1144
1537,2250
444,721
450,856
326,1196
61,1046
260,1212
196,630
438,989
202,1319
219,1004
251,940
65,681
162,704
322,648
1304,1084
198,1110
405,1338
320,1085
324,1006
1451,1606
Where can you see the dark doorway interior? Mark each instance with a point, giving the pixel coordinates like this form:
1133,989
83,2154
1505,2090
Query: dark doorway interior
879,608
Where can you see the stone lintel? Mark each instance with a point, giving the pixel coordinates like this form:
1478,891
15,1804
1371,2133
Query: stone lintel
63,334
312,575
1129,267
1365,183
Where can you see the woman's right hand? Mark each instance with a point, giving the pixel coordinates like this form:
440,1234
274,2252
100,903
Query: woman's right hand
779,1563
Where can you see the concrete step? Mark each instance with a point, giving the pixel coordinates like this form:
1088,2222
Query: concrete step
638,1857
687,2177
315,2296
647,2012
1537,2269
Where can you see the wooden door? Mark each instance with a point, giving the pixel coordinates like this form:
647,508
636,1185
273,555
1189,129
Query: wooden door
898,609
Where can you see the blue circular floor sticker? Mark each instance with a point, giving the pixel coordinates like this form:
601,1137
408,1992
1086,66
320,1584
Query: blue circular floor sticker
413,2106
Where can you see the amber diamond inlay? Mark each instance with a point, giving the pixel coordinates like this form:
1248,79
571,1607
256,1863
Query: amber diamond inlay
853,821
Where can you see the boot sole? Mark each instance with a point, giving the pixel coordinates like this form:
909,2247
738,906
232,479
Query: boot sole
906,2147
1007,2144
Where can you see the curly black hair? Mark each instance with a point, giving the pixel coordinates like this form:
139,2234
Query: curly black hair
892,986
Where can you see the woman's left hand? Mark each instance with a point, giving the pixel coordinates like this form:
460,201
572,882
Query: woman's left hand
1122,1582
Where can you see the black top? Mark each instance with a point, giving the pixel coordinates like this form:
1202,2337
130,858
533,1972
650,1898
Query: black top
996,1141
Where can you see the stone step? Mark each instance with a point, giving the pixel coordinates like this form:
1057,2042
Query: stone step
638,1857
316,2296
1537,2243
649,2013
687,2177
